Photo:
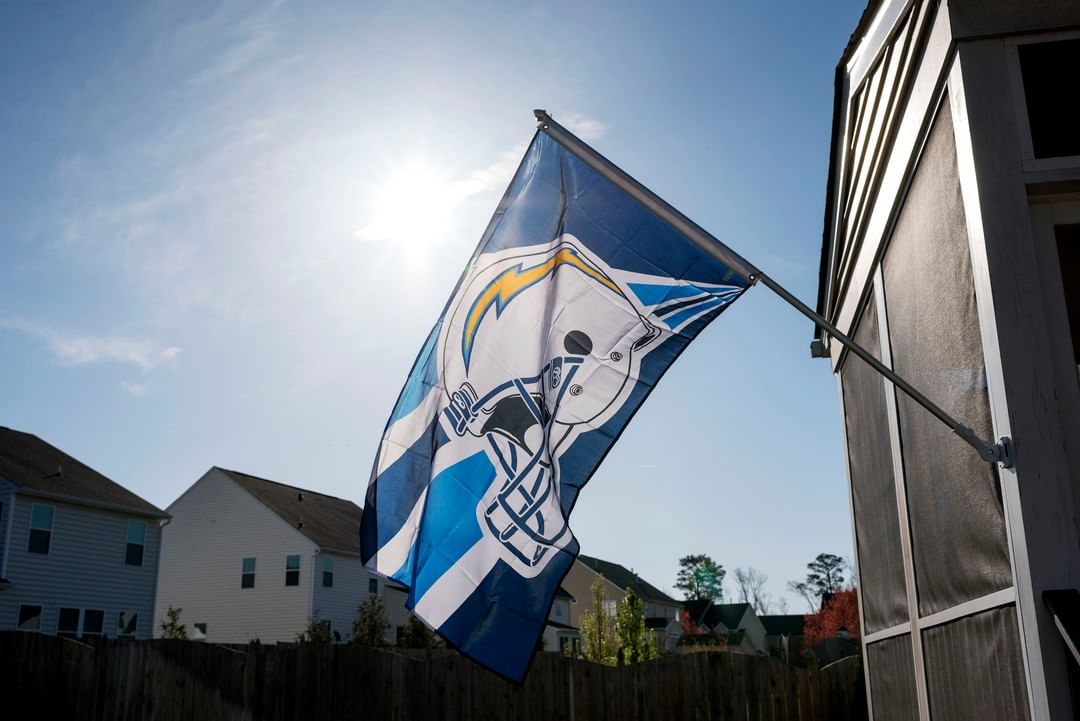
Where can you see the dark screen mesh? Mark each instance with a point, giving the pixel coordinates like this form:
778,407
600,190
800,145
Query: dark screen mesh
1053,111
892,679
873,492
955,511
974,669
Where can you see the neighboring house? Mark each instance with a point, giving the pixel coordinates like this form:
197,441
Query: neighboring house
559,635
78,551
784,635
736,623
661,610
248,558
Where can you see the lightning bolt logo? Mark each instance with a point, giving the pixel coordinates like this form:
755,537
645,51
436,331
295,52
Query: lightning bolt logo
512,281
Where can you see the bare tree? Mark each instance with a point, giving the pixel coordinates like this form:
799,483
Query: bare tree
804,590
750,587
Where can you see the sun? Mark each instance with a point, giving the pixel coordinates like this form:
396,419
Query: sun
411,207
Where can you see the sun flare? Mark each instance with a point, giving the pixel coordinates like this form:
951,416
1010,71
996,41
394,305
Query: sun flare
410,207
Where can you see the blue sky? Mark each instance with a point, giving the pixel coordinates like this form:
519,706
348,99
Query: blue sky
207,259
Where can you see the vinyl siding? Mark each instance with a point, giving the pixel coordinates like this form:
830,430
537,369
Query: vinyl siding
84,568
215,525
338,604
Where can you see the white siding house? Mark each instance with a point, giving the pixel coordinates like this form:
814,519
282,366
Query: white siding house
559,634
78,552
246,558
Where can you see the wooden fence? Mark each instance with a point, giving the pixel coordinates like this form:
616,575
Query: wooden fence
173,680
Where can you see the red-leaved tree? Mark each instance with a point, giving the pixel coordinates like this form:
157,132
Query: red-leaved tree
841,611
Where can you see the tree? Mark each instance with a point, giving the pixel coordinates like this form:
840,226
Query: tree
598,640
803,590
841,611
750,585
317,633
635,642
826,574
417,635
369,626
171,627
700,578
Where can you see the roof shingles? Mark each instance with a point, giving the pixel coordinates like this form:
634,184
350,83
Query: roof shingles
34,465
625,579
332,523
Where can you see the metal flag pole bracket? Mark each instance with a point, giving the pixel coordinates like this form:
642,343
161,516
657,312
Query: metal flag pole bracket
1000,452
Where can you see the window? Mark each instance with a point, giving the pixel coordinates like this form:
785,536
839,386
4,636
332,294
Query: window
328,572
128,623
247,573
41,523
372,586
29,618
67,625
292,570
136,539
1052,106
93,623
200,632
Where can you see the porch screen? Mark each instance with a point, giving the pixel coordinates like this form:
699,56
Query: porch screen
974,668
892,679
873,489
955,509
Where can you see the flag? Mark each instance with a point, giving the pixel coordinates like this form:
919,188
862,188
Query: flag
583,291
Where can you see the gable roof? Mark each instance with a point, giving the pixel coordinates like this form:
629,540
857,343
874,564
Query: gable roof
43,469
785,625
330,522
627,579
713,615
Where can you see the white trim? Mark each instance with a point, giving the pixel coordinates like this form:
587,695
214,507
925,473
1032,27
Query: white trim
885,633
874,41
999,409
922,697
1003,597
10,500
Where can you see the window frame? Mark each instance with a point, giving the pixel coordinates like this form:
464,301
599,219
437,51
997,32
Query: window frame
244,573
30,530
128,543
120,625
40,616
373,586
289,570
83,633
328,572
204,632
1027,148
78,622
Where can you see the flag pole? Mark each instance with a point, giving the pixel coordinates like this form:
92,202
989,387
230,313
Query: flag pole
1000,452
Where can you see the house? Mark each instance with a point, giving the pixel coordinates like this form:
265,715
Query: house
784,635
559,634
736,623
661,610
78,551
249,558
951,248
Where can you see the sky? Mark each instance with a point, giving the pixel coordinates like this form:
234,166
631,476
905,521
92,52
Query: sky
228,228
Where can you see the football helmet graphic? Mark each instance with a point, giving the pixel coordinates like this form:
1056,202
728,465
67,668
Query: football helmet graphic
542,344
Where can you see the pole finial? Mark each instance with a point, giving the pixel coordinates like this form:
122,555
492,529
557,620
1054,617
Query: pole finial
541,116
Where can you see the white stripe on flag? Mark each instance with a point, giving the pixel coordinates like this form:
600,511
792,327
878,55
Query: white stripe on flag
405,432
392,556
448,593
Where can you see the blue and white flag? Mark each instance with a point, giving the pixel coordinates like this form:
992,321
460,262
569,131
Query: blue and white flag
577,300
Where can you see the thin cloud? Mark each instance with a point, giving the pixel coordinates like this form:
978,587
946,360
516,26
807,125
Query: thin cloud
74,349
586,128
136,389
